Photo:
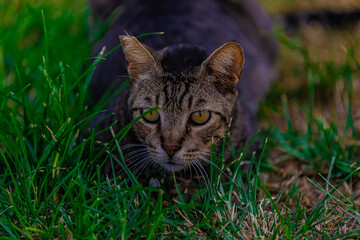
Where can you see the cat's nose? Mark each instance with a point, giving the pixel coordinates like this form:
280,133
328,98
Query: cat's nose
171,149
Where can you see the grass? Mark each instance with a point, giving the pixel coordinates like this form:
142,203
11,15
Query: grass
283,6
52,187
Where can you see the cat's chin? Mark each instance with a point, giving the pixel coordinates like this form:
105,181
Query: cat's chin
170,166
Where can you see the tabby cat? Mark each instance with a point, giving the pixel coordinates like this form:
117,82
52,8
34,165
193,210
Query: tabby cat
191,73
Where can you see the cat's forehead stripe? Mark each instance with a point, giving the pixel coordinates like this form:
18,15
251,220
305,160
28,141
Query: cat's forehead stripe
165,91
185,92
157,99
190,101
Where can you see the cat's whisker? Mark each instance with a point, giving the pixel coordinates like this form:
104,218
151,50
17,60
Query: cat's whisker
136,158
134,164
154,165
209,153
149,165
197,173
138,166
202,172
129,163
135,152
163,172
209,162
188,167
127,146
145,162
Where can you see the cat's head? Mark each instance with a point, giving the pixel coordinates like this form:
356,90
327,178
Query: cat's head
195,94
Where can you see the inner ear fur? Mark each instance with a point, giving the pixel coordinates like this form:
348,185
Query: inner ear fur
139,57
226,64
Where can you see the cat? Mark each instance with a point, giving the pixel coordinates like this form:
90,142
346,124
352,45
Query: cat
192,73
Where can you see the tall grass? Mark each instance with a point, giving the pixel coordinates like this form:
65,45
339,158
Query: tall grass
322,141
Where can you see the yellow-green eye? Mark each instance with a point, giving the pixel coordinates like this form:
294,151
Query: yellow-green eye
200,117
152,117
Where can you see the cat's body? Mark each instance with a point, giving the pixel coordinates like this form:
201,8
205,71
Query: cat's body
182,79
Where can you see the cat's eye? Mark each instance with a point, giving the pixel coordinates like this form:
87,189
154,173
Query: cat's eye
200,117
151,117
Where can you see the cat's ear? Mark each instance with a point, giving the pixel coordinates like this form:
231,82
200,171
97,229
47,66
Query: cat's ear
226,64
139,57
